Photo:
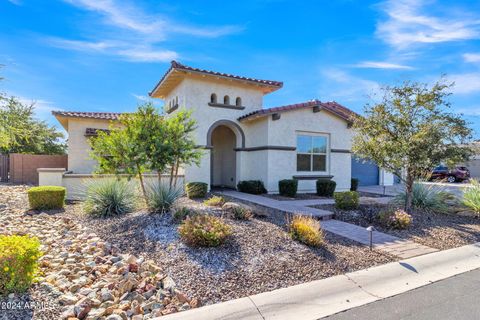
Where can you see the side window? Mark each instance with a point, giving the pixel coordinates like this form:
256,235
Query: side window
312,153
238,102
213,98
226,100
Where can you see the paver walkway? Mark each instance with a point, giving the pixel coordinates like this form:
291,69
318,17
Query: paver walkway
285,206
393,245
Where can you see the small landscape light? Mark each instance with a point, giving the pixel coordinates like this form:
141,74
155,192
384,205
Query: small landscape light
370,233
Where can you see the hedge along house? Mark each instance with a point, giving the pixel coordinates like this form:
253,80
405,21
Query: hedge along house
242,140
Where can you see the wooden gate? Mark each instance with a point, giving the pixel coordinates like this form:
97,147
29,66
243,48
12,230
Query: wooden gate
4,167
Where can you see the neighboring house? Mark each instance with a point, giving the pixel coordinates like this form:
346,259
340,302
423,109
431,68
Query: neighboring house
242,140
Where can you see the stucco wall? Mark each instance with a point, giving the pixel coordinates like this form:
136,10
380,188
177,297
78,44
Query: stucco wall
79,160
194,95
283,132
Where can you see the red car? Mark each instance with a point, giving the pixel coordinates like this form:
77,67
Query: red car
450,175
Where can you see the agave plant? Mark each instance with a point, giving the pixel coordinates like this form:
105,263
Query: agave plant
110,197
161,197
428,197
471,196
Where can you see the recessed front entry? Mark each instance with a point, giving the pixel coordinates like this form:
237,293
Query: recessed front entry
223,157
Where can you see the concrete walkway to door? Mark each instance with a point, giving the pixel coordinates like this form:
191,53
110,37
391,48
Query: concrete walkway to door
381,241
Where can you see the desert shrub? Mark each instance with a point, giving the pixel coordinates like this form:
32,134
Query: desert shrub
46,197
237,211
288,187
347,200
397,219
110,197
215,201
306,230
204,230
18,262
161,197
326,188
181,213
251,186
196,189
427,197
353,184
471,197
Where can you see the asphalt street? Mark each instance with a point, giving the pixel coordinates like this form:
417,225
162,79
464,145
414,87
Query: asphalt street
456,298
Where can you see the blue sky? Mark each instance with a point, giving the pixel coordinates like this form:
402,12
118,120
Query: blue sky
94,55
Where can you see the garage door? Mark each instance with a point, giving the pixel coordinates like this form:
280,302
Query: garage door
365,172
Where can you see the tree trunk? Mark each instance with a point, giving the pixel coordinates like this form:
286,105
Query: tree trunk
408,193
172,171
142,184
176,173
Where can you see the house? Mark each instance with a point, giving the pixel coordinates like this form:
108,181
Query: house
242,140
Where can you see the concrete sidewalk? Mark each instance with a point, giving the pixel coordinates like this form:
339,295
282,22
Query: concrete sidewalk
317,299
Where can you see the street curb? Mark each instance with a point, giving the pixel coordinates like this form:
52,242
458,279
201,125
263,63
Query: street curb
321,298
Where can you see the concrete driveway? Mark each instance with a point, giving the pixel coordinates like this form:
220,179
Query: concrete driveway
454,188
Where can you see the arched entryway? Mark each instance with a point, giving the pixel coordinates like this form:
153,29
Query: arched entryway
223,157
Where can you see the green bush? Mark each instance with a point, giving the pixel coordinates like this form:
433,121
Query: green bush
427,197
397,219
471,196
326,188
251,186
110,197
46,197
196,189
204,230
18,262
306,230
215,201
288,187
347,200
161,197
354,184
181,213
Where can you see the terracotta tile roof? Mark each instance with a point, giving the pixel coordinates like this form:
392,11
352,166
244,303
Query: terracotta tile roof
178,66
90,115
334,107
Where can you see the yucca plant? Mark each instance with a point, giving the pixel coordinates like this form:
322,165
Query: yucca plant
110,197
428,197
161,197
471,196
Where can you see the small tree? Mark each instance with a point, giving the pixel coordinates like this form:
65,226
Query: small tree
183,149
122,150
411,130
144,141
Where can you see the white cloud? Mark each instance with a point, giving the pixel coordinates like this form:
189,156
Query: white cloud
381,65
338,84
466,83
128,16
135,35
407,24
471,57
42,108
126,50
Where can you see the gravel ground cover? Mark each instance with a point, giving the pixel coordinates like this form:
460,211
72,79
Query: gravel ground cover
81,275
436,230
260,256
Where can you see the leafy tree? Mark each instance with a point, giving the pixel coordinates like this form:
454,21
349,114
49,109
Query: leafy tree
411,130
144,141
20,132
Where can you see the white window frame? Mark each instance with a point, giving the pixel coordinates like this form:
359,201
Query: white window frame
327,152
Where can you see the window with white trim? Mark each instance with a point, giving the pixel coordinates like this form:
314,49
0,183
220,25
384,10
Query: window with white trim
312,153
